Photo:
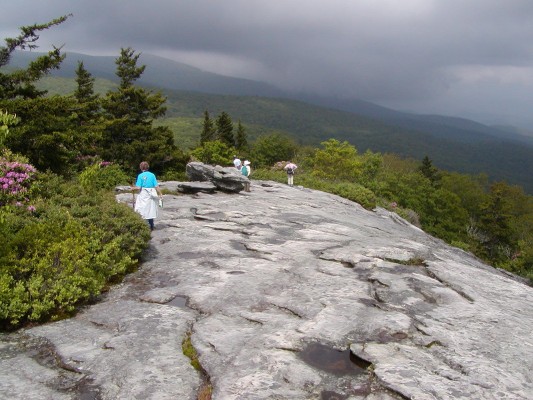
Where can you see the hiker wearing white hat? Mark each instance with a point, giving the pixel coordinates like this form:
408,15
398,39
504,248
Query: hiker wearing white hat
246,170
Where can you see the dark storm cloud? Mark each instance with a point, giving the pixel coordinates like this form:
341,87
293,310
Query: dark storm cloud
424,55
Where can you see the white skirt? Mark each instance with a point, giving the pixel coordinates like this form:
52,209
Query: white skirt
146,203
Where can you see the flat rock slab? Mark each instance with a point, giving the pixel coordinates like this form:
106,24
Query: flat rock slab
195,187
288,293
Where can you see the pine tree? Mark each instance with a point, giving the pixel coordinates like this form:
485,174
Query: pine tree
241,140
129,136
208,129
225,129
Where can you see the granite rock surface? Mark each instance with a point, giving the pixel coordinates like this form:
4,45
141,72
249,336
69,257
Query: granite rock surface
286,293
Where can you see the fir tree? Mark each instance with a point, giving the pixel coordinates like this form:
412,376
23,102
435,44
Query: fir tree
88,112
241,140
225,129
208,129
496,222
21,82
429,171
84,94
129,136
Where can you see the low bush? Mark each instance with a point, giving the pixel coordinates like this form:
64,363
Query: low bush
357,193
66,252
103,175
173,175
268,175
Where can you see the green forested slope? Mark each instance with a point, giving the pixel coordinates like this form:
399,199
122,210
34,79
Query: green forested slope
309,125
500,159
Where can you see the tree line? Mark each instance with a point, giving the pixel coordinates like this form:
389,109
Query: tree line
65,133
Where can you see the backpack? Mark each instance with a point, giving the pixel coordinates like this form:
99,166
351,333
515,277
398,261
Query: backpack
244,170
290,171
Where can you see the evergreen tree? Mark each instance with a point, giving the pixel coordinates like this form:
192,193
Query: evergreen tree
496,223
47,133
21,82
84,92
241,140
429,171
225,129
88,111
208,129
129,136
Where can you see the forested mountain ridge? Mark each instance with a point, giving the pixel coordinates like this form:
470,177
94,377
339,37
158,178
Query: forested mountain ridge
454,144
501,159
168,74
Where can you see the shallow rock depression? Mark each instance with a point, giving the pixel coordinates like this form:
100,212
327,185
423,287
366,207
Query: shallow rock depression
287,293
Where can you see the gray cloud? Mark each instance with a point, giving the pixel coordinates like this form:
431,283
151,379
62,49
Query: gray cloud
471,58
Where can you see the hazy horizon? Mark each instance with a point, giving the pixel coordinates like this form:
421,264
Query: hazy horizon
467,59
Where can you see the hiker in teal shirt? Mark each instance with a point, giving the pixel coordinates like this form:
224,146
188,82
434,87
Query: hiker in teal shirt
149,193
246,170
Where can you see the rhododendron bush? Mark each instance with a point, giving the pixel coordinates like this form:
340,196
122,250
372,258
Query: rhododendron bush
62,243
15,183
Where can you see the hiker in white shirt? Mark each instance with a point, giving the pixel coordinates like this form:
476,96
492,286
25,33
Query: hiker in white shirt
237,162
290,168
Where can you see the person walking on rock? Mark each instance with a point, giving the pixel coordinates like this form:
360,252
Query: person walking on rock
246,170
290,168
149,194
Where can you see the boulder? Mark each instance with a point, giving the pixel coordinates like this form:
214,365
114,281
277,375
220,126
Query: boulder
200,172
196,187
227,179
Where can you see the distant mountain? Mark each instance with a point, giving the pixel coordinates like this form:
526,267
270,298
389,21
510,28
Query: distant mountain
454,144
168,74
453,128
160,72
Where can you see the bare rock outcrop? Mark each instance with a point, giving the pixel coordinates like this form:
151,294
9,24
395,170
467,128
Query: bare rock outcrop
287,293
227,179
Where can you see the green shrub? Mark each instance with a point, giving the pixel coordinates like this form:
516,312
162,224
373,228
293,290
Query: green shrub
269,149
357,193
173,175
103,175
64,254
214,153
57,265
268,175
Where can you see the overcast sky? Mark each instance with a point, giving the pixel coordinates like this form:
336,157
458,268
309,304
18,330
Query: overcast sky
471,58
